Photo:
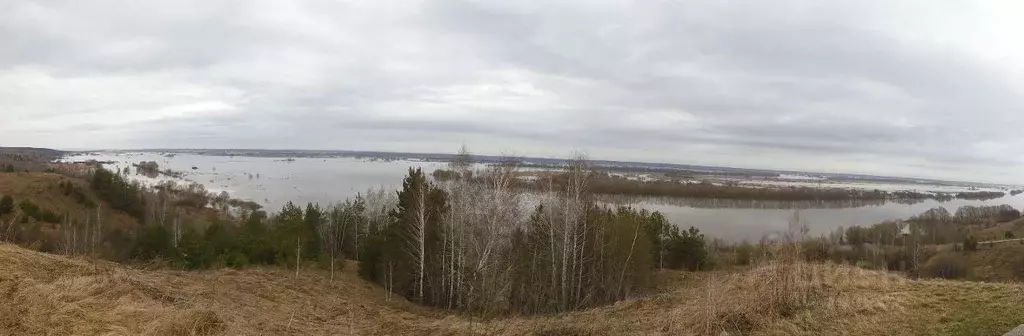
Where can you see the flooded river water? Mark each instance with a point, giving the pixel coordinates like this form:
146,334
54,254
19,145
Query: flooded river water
274,181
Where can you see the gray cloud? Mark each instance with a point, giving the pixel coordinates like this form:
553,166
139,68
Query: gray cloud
868,87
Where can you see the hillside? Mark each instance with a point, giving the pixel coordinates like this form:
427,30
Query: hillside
27,158
43,189
48,294
996,262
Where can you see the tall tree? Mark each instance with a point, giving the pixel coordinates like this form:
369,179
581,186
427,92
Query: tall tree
421,206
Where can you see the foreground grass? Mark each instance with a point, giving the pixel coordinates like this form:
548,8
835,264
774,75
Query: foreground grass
966,308
47,294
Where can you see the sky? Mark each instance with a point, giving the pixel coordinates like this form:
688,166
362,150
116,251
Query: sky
902,88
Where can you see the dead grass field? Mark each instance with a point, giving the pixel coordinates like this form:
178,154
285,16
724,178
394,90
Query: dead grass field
45,294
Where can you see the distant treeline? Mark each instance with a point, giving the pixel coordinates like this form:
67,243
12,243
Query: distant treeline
936,226
726,203
14,159
615,185
980,195
669,172
621,186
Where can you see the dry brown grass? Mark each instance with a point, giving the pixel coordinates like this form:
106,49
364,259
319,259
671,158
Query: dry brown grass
42,189
49,295
830,299
1000,262
998,231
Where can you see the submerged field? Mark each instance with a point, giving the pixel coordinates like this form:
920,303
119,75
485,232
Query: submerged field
49,294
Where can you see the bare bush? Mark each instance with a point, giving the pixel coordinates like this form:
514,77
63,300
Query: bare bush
950,265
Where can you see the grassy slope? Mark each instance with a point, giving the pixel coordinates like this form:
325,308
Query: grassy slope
998,231
999,262
43,190
48,294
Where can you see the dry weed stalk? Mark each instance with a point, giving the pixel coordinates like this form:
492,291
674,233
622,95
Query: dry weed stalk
781,285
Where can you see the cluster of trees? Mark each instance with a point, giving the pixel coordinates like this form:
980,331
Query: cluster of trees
935,226
9,168
609,184
980,195
197,237
885,233
191,195
148,168
910,245
76,192
443,175
474,243
42,229
122,194
986,214
29,209
290,237
615,185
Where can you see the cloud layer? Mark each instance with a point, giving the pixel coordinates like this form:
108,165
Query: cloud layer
867,87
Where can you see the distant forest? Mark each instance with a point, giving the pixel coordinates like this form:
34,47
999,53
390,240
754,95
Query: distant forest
608,184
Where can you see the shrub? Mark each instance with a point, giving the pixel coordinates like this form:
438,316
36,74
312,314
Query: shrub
1018,267
898,259
686,249
744,253
815,250
6,205
76,192
32,210
154,241
119,192
445,175
947,266
1008,235
970,243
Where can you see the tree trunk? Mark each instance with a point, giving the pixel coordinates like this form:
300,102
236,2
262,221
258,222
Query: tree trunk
421,217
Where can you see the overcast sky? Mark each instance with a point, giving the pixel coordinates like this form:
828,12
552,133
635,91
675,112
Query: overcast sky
914,88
